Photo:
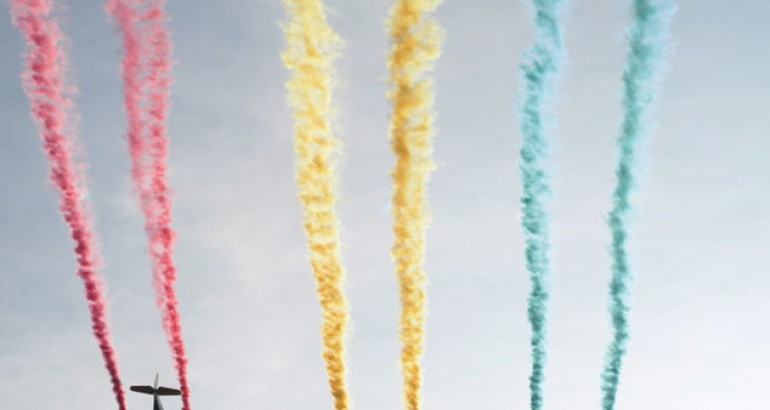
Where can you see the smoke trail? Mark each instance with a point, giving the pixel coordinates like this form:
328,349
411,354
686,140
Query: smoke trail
50,100
146,75
648,38
416,46
540,69
311,48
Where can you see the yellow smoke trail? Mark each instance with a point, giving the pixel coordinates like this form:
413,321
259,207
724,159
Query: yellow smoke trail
311,48
416,45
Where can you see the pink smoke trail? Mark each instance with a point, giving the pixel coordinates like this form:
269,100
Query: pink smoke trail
50,101
146,75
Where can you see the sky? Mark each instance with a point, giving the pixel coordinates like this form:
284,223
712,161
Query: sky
247,295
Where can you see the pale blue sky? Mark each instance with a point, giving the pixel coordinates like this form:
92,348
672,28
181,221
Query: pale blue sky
700,307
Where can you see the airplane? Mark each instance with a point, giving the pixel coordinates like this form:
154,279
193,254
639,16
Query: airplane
156,391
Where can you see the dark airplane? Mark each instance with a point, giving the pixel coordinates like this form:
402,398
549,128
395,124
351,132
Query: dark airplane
156,391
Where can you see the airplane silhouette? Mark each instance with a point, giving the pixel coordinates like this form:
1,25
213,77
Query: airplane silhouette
156,391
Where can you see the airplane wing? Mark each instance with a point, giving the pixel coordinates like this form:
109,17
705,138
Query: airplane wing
143,389
167,391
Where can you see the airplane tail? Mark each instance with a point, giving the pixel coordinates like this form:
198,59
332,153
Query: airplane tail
156,390
159,391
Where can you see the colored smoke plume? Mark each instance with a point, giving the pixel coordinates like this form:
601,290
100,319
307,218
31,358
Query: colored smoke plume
146,71
648,45
51,105
540,70
311,48
416,42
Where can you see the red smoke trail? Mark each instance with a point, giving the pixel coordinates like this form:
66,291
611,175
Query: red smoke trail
48,92
146,75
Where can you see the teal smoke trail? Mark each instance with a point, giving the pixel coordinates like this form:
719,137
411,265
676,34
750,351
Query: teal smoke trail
648,41
541,66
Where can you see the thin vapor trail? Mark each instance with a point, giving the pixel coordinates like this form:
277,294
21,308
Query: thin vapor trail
146,71
311,48
648,41
416,45
540,69
51,105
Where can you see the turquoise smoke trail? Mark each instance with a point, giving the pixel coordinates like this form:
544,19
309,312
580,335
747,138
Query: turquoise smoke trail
648,41
541,66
